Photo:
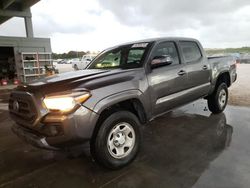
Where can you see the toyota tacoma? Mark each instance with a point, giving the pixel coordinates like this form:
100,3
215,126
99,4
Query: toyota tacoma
123,88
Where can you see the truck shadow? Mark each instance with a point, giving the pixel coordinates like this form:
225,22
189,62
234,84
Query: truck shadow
176,149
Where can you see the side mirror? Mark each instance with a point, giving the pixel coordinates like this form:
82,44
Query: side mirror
159,61
88,59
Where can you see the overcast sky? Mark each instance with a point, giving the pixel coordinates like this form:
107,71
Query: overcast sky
98,24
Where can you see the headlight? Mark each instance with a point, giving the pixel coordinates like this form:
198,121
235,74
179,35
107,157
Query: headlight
65,102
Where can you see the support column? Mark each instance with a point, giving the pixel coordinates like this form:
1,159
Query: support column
28,27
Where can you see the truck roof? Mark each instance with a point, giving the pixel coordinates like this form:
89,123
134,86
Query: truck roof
159,39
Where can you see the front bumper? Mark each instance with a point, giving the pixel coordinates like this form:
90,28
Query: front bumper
59,131
31,138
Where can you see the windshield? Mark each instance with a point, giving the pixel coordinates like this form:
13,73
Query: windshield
124,57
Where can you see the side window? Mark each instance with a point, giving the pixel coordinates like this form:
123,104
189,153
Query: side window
169,49
191,51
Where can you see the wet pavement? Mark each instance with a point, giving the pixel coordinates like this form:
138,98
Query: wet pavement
188,147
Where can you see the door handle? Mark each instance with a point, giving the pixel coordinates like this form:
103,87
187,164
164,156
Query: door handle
205,67
182,72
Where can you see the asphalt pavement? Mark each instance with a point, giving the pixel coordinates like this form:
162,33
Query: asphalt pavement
188,147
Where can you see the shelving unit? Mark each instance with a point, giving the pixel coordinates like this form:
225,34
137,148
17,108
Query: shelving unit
33,65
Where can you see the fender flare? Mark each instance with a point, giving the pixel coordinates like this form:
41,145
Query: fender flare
119,97
222,72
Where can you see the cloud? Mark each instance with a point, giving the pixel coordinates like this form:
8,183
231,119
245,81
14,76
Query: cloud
98,24
168,14
51,17
82,25
213,21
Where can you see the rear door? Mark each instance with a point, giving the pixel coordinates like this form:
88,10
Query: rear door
167,82
197,67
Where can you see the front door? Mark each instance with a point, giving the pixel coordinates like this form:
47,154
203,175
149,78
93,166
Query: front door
167,82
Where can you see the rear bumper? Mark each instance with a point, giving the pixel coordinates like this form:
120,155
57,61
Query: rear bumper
235,77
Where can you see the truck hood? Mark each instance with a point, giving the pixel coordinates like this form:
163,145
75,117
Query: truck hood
68,76
83,79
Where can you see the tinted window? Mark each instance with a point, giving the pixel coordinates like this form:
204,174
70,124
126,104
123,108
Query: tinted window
191,51
167,49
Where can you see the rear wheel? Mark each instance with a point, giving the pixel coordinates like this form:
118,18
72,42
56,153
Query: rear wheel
117,141
217,102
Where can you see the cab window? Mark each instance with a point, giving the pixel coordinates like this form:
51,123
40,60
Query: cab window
191,51
167,49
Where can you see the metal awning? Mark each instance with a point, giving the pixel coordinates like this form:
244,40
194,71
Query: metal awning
15,8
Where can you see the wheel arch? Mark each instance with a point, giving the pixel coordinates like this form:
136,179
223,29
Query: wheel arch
223,77
131,101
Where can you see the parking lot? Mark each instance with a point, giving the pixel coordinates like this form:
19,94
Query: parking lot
240,91
188,147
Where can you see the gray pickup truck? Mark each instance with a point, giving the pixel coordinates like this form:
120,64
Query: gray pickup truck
123,88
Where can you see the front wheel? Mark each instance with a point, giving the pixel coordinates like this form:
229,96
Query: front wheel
76,67
217,102
117,141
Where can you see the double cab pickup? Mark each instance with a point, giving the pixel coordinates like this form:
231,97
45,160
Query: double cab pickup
122,89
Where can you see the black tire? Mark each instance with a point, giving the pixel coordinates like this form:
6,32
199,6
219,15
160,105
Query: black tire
100,147
213,101
76,67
